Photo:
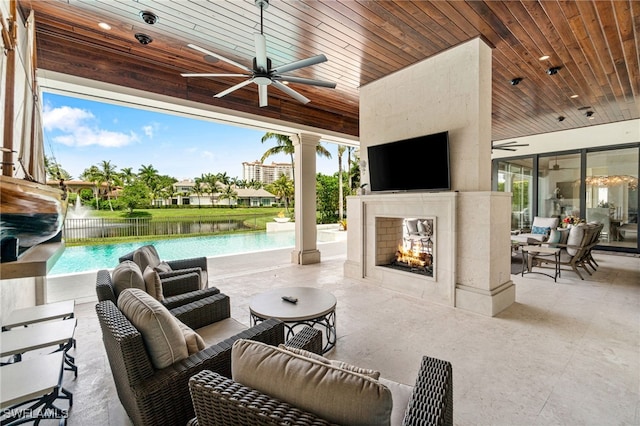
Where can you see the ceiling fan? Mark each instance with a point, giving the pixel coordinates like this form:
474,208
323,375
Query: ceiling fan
507,146
261,73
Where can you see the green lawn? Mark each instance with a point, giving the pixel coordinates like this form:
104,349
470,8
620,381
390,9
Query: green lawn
255,218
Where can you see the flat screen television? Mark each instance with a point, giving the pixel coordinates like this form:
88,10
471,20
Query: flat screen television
416,164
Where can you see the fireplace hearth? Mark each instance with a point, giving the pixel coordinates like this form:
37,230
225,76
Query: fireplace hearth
403,266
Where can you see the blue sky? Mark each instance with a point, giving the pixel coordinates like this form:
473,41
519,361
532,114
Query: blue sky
80,133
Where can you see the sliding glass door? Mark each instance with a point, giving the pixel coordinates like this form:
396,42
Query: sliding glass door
559,186
612,195
592,184
516,176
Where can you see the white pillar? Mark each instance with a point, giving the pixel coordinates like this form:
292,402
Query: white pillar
305,251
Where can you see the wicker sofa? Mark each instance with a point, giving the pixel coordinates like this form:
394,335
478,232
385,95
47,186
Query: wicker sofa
323,394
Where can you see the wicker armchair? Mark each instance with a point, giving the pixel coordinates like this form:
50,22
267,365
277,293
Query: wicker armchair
179,267
161,397
219,400
177,290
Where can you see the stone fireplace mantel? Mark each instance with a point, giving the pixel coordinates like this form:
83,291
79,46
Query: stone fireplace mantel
362,213
471,269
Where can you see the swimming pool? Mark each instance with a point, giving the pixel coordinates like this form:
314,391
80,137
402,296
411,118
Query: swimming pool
89,258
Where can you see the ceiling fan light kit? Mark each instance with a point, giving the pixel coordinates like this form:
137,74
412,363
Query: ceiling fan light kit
262,73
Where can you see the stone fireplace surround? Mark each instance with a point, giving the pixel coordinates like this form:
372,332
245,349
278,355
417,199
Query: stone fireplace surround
364,212
472,249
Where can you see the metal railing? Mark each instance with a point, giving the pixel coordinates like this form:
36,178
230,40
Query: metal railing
79,229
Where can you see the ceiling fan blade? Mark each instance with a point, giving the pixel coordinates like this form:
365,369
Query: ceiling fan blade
213,75
222,58
232,88
261,51
309,81
289,91
300,64
262,95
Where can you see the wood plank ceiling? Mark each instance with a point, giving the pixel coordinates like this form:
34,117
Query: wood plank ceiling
595,44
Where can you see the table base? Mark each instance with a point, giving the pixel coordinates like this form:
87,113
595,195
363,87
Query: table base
327,323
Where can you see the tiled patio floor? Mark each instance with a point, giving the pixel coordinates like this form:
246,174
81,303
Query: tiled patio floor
565,353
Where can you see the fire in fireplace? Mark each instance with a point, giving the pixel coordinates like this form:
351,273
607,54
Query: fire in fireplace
406,244
413,260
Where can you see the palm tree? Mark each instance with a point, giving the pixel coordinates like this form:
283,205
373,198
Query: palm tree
229,193
127,175
211,181
223,178
198,190
108,175
93,175
283,189
284,145
54,170
341,149
149,176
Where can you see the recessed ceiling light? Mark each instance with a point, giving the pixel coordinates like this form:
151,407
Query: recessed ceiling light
589,115
516,81
143,38
104,26
553,70
544,57
574,96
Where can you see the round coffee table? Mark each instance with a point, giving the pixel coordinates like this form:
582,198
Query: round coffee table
315,308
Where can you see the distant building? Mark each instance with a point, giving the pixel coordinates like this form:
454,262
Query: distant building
265,173
249,197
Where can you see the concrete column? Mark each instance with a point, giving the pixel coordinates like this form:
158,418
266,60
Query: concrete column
306,251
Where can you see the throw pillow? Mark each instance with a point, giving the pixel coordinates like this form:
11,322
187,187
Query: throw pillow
554,237
564,235
338,364
334,394
153,284
412,226
161,333
195,343
145,256
576,233
162,267
540,230
126,275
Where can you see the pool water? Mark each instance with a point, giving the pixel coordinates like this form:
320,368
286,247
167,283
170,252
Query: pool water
90,258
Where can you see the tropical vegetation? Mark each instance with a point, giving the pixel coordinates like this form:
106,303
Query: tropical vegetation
126,191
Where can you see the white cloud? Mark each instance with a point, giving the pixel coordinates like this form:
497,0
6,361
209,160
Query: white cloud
77,129
207,154
150,129
65,118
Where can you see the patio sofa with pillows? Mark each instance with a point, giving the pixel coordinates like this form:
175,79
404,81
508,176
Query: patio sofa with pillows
282,385
153,352
540,230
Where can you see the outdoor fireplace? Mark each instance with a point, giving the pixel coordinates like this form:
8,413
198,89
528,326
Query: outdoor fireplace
406,244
